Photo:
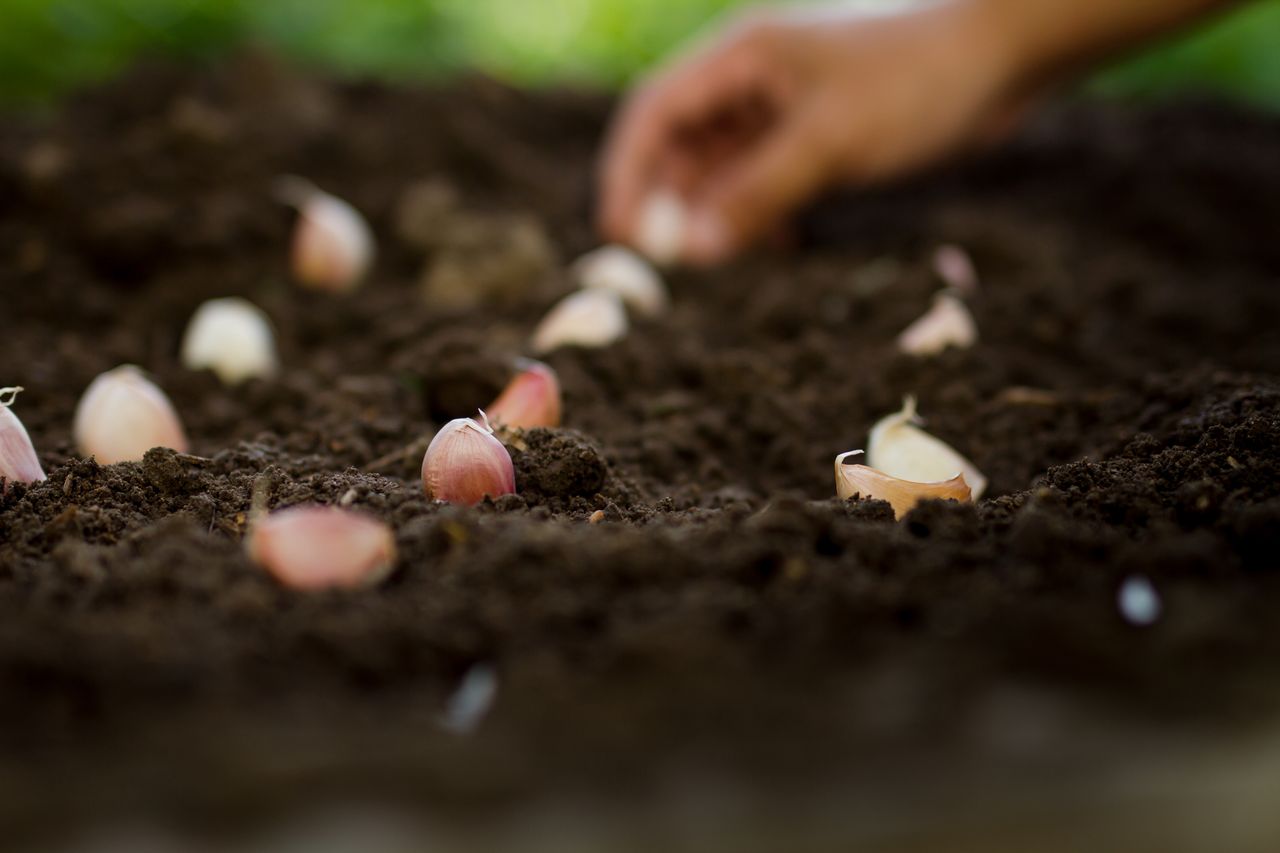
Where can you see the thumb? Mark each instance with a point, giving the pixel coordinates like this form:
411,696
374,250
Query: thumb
753,193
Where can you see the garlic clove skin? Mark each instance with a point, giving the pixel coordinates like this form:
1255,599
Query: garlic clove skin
333,245
622,271
122,415
531,399
901,449
953,265
465,463
322,547
18,460
900,494
948,323
233,338
588,318
664,220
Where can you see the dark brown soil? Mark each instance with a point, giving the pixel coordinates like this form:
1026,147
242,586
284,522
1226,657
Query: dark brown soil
731,634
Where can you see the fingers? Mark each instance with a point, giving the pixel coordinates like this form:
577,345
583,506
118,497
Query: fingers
644,149
755,192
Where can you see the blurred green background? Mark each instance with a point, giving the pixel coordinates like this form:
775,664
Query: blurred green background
50,46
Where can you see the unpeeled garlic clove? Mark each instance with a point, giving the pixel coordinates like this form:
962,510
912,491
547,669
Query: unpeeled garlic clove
531,399
465,463
122,415
333,245
953,265
587,318
18,461
622,271
322,547
947,323
901,449
900,494
233,338
664,219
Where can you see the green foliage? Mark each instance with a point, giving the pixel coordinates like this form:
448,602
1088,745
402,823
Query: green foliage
1238,56
48,47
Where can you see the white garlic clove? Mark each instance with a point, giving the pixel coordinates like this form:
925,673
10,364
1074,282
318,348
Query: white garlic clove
664,219
586,318
233,338
531,399
953,265
333,245
901,449
465,463
122,415
18,461
900,494
948,323
323,547
622,271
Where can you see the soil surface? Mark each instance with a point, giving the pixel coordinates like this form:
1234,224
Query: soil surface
731,656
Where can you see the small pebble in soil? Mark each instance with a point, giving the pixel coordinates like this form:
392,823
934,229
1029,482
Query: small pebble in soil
469,704
1138,601
500,261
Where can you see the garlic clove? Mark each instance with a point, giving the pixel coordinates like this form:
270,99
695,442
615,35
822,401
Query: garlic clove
465,463
664,219
948,323
531,399
622,271
901,449
18,461
588,318
333,245
122,415
901,494
322,547
953,265
233,338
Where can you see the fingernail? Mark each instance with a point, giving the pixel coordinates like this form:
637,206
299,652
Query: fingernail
708,238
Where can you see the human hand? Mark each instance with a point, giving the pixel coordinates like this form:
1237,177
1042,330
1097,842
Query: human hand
752,124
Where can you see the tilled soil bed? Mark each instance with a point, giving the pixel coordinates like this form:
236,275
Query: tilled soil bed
731,645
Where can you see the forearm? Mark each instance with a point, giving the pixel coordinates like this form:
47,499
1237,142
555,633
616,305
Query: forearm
1048,40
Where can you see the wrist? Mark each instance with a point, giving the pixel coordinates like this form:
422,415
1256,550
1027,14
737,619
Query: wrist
1003,49
1042,43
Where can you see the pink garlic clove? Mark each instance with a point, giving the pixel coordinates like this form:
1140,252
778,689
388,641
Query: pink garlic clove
18,461
333,245
954,266
531,399
465,463
122,415
323,547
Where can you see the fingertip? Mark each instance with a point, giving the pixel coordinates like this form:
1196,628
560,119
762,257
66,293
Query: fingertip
611,217
709,240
